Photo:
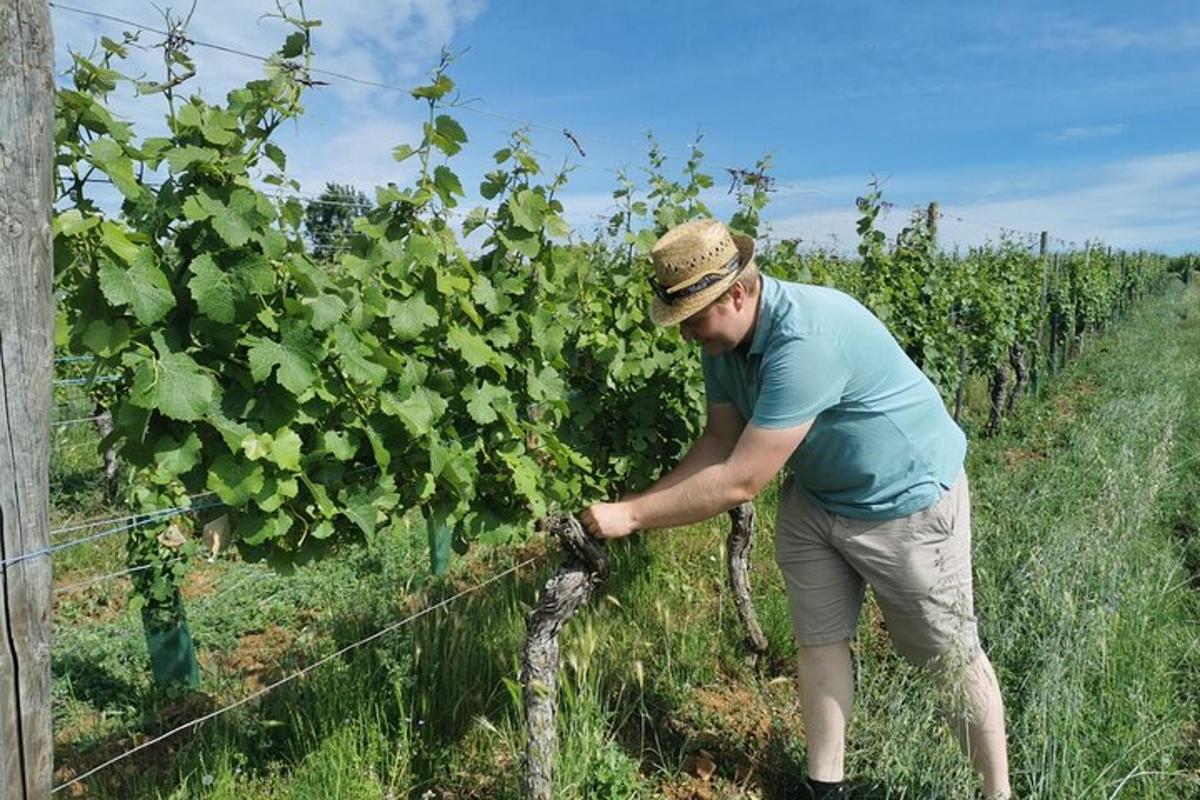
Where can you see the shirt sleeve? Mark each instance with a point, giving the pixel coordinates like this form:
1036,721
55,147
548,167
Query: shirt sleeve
798,380
712,385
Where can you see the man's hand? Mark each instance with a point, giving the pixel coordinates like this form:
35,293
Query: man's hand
609,520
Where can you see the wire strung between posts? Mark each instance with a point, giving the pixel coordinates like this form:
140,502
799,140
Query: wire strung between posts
110,520
559,129
293,676
82,381
64,422
563,130
114,575
144,520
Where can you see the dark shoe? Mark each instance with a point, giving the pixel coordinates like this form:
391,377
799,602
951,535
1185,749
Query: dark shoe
820,790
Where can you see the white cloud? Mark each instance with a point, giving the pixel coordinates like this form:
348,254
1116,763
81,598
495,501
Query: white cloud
1075,134
360,153
385,41
1150,202
1090,36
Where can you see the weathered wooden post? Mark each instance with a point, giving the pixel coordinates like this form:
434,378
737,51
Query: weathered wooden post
26,366
1055,319
584,567
1035,380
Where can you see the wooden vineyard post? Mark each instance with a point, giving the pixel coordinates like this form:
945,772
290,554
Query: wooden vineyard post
1035,381
1055,320
583,569
737,556
26,364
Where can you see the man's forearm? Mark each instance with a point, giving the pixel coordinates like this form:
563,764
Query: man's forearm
706,493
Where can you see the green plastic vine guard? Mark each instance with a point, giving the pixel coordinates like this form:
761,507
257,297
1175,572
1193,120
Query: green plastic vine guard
172,651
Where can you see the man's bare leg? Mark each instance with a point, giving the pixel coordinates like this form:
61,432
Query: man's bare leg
980,728
826,697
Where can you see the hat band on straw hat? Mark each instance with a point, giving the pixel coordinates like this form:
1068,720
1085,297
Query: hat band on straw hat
674,294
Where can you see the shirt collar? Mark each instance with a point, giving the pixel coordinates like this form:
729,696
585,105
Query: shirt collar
766,316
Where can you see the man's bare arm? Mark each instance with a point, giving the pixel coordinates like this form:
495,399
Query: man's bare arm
715,444
759,454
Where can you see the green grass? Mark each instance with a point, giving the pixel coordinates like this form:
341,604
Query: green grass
1086,512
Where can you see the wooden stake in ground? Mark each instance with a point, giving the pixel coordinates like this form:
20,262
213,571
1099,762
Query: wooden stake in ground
584,568
737,556
26,363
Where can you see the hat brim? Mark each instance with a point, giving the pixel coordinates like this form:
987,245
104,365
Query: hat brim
666,314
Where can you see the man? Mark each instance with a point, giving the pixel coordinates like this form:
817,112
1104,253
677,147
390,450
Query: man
806,376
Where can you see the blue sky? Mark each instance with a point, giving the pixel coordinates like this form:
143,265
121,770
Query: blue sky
1079,118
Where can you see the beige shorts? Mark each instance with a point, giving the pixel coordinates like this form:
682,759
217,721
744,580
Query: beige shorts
919,567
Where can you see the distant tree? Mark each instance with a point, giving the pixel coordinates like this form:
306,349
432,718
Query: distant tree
329,219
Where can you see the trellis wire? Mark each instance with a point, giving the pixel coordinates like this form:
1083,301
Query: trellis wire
79,420
114,575
110,520
144,520
559,129
293,676
87,381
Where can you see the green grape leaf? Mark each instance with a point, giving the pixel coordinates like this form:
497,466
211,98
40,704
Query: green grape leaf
327,310
71,222
441,87
449,136
215,291
254,528
235,481
276,492
276,154
528,209
484,294
418,411
254,272
142,287
229,221
104,338
257,445
422,250
294,45
475,351
525,474
111,158
117,241
175,385
353,356
546,384
488,402
296,354
411,317
285,451
339,444
448,184
172,457
180,158
232,432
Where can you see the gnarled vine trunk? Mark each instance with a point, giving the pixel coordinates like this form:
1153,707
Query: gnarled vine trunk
737,556
584,568
104,426
1016,358
999,385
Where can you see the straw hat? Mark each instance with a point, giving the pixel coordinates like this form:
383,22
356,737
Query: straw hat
694,263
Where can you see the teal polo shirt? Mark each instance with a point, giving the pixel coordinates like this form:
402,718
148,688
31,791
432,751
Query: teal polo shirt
882,444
